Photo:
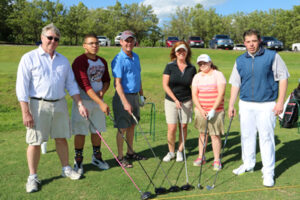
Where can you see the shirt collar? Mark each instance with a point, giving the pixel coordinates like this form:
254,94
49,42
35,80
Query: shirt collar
42,52
125,55
260,52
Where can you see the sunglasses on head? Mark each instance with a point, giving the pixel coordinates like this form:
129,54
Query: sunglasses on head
56,39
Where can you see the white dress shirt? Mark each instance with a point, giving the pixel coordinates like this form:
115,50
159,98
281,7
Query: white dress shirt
41,76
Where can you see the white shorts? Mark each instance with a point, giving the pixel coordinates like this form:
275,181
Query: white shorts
171,112
50,118
81,126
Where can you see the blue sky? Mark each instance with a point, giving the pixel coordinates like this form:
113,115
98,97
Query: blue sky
163,8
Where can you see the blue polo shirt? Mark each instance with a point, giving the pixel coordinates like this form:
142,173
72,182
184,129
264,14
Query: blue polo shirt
129,70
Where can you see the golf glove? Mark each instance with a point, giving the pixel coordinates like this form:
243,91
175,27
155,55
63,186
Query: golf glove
211,114
142,101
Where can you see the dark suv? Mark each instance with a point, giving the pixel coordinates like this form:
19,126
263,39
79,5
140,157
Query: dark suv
221,41
195,41
271,43
171,41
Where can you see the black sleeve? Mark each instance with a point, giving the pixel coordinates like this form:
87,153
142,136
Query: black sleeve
167,70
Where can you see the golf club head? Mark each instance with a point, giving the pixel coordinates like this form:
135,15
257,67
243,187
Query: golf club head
146,195
199,186
210,187
160,190
174,188
187,187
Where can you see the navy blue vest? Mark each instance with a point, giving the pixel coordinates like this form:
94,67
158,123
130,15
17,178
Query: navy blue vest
258,84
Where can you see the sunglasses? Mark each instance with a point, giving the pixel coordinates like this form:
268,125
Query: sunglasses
56,39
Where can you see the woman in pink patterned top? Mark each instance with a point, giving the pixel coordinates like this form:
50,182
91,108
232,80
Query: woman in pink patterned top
208,90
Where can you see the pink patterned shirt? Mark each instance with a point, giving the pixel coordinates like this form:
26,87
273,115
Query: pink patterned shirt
207,89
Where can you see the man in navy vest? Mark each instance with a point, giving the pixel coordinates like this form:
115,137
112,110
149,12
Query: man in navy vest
260,75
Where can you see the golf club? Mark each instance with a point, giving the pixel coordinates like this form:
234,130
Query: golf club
173,188
187,186
202,157
225,141
144,195
158,191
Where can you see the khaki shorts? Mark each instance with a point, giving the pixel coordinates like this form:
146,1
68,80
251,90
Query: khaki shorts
81,126
171,112
50,118
215,125
122,117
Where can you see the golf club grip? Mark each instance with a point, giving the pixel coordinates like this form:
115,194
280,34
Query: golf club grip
114,155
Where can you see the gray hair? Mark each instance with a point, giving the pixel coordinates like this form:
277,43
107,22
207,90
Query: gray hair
51,27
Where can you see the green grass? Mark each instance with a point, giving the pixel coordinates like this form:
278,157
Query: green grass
113,183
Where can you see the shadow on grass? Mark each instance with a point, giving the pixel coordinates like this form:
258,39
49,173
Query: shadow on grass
49,180
288,156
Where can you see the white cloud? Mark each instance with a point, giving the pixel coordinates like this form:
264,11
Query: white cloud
164,8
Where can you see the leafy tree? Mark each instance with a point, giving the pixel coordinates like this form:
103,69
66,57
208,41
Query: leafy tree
76,23
6,8
26,21
140,19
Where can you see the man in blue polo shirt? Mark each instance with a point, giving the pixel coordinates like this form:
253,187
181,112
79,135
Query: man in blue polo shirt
126,70
258,74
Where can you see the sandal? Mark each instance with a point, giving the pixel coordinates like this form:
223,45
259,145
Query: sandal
135,156
125,163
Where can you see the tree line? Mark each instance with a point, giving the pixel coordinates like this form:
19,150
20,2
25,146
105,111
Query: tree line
21,22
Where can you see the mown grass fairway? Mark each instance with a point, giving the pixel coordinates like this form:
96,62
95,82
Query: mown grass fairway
113,183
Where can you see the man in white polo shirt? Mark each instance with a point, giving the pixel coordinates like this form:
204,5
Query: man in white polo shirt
43,75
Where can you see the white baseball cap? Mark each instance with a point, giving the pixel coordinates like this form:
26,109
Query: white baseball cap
203,58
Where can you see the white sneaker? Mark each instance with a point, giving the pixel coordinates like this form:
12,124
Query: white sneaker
241,170
268,181
169,157
32,184
179,156
100,163
70,173
78,169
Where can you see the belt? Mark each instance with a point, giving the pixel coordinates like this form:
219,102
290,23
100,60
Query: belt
48,100
132,93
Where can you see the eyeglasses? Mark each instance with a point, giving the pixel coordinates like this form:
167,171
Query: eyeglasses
56,39
93,43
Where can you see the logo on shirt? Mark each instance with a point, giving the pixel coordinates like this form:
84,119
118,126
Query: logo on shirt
96,72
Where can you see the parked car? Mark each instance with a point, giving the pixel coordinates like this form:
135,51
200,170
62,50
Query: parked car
171,41
196,41
221,41
117,39
296,47
103,41
239,47
271,43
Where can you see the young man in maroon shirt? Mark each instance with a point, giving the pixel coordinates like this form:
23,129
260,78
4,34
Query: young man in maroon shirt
92,76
